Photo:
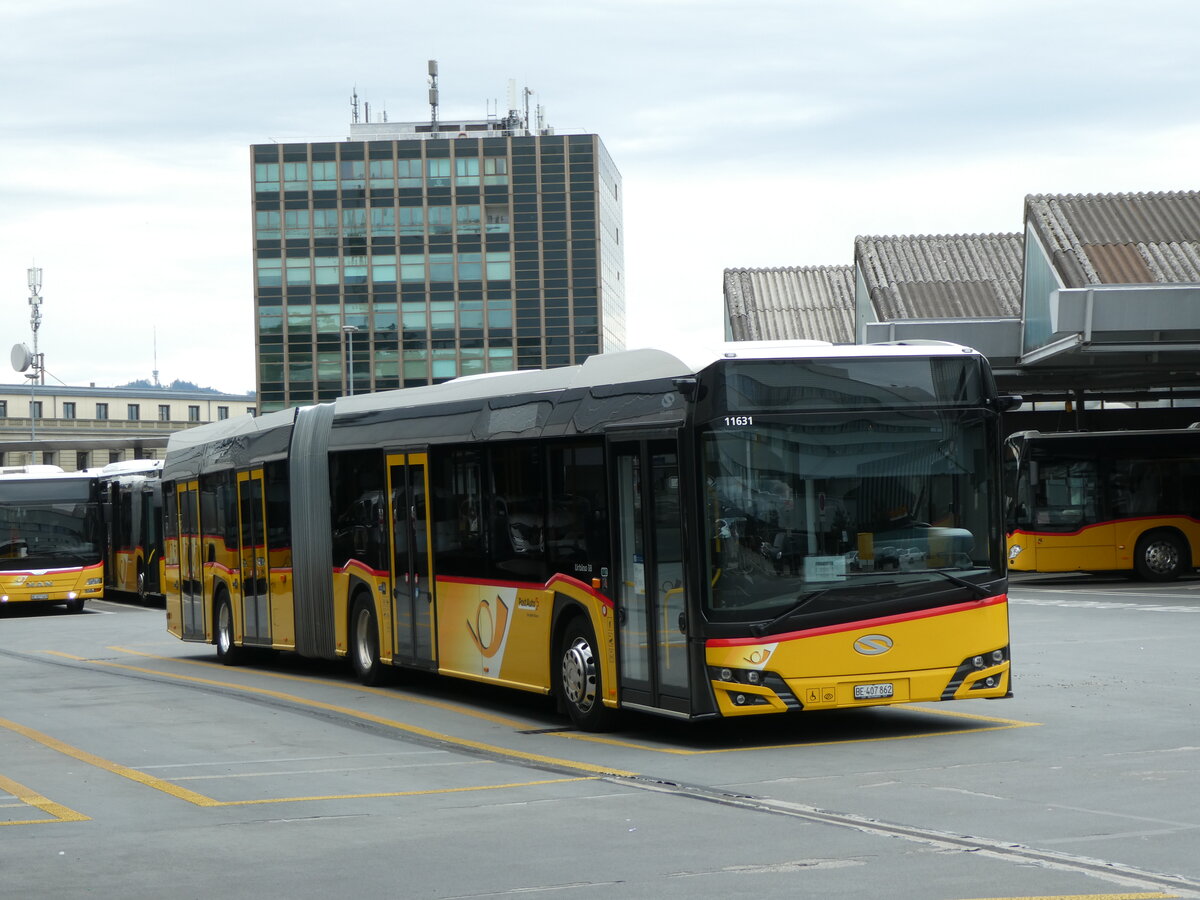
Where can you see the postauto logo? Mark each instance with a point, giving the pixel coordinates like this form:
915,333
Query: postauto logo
873,644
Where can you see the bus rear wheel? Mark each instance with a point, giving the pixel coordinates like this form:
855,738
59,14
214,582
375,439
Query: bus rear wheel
579,681
228,652
364,643
1160,556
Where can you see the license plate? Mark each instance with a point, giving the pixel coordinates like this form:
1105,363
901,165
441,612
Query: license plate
873,691
40,597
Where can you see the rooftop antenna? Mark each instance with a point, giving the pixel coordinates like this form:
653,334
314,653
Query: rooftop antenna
354,105
526,94
367,112
433,97
23,359
156,384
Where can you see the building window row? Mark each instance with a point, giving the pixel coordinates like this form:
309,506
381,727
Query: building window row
385,268
381,221
357,174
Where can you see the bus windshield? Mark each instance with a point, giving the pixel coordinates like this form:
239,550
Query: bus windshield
47,525
821,513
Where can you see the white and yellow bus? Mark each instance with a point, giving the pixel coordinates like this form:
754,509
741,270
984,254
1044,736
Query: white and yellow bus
772,528
51,538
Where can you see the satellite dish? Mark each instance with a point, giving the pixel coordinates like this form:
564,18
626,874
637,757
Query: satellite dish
22,359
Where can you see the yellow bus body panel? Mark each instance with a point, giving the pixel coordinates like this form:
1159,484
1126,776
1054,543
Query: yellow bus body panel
52,585
821,666
1108,546
501,634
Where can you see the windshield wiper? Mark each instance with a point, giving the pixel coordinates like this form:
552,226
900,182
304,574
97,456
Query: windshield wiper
977,589
802,601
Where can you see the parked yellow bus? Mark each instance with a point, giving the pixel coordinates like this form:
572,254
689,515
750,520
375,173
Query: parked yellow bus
131,503
1126,501
771,528
51,538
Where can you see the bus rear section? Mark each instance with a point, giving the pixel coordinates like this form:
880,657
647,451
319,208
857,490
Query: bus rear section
51,539
1104,502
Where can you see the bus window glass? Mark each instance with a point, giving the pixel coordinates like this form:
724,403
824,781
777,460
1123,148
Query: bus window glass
518,512
577,535
830,508
458,511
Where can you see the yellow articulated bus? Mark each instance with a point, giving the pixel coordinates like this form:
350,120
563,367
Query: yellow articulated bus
773,528
51,538
1126,501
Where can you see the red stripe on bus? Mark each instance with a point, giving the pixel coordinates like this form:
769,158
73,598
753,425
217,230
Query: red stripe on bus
860,625
1161,519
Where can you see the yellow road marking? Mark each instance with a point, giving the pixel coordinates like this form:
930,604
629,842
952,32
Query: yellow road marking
32,798
116,768
436,704
493,749
458,790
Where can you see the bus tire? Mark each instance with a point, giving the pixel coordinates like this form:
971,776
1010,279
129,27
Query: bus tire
228,652
74,606
1160,556
580,685
364,642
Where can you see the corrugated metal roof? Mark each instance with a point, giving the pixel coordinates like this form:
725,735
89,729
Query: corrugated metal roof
1119,238
942,276
795,302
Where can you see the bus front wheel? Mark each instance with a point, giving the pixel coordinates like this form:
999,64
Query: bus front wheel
228,652
1160,556
579,681
364,643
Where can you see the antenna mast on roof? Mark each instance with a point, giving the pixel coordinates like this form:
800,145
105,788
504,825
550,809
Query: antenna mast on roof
433,97
156,384
354,105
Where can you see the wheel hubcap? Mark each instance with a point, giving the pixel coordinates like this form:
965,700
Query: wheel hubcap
1162,556
224,629
579,675
362,641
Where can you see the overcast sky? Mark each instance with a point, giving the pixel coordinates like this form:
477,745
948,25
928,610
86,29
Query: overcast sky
747,132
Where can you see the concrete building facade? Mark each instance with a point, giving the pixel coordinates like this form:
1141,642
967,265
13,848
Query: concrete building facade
83,427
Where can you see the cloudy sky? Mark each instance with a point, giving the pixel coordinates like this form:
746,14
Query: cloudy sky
747,132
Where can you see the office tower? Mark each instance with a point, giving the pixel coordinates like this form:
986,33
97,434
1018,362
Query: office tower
412,253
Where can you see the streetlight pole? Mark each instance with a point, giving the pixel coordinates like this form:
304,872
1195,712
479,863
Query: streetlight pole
350,331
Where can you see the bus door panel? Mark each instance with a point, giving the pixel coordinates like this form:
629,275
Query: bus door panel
650,591
191,570
171,580
412,587
253,562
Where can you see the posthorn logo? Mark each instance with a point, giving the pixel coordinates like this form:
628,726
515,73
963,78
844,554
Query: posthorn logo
873,644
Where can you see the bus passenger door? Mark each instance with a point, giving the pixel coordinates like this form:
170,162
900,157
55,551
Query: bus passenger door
253,559
191,571
650,585
412,587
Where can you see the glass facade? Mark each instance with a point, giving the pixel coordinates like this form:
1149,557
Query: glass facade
395,263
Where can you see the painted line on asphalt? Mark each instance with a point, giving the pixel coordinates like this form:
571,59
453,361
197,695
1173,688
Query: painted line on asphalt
62,813
493,750
341,685
32,798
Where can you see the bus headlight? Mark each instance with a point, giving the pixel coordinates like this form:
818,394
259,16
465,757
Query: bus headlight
1014,551
94,581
